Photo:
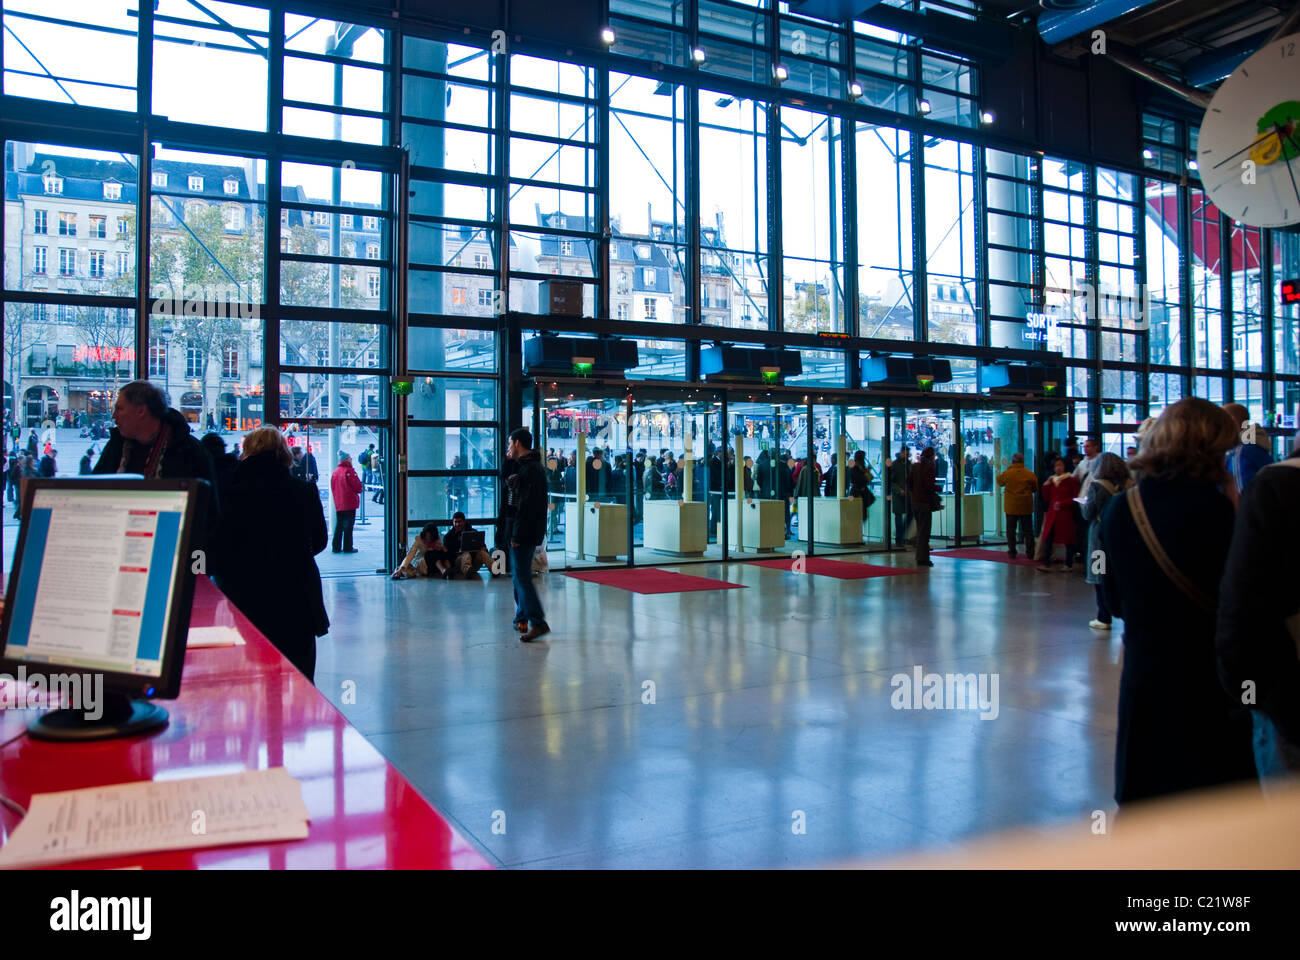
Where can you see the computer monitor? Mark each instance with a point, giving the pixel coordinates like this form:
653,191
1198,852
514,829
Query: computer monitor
101,585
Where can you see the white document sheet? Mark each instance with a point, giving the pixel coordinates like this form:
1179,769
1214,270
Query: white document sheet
213,637
256,806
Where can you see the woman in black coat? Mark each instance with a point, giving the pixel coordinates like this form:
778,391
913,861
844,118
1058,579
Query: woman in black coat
1179,729
272,527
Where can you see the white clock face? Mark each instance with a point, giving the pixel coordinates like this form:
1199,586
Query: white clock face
1249,150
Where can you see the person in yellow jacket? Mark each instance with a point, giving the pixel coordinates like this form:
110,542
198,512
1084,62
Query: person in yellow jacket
1018,502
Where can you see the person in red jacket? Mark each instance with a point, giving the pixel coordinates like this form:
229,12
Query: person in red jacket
346,487
1058,521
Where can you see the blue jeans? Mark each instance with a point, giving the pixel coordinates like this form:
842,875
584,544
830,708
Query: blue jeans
527,605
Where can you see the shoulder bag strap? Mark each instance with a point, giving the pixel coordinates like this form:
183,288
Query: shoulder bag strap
1158,552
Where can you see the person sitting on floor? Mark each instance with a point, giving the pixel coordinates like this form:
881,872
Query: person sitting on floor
426,558
462,561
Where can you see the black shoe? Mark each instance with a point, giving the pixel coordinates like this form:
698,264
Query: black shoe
539,630
351,551
336,550
448,575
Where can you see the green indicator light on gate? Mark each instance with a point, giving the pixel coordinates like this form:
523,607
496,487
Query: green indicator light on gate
925,382
403,388
770,374
583,367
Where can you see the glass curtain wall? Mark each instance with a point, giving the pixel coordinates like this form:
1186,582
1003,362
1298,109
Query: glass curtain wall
886,295
270,201
670,478
989,439
454,292
955,300
733,234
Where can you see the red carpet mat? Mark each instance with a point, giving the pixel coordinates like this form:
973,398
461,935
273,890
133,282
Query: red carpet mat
840,569
980,553
649,580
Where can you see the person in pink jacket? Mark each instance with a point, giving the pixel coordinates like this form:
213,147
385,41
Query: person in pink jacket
345,485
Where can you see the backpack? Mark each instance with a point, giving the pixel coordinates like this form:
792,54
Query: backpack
364,459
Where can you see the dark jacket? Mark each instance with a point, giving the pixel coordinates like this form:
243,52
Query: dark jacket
808,483
47,466
184,457
857,484
526,499
501,530
784,480
271,530
763,475
1100,493
900,481
223,468
924,491
715,474
1258,623
1178,728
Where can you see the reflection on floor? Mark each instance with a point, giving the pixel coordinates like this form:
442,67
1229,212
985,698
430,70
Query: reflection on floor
733,728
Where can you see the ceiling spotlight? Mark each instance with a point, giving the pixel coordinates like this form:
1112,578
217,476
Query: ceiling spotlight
986,117
608,35
1147,154
781,72
1192,165
923,106
698,54
855,89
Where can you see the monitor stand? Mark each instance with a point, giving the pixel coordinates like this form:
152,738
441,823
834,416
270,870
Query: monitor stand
123,716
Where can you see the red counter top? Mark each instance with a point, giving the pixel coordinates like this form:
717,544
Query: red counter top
247,708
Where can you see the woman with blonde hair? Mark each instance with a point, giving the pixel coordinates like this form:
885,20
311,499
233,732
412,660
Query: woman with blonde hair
1165,541
271,530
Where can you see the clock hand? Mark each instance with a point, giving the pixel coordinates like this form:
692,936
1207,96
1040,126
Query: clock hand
1252,146
1290,173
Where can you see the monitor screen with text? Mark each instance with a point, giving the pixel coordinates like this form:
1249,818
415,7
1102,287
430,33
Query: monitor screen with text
96,577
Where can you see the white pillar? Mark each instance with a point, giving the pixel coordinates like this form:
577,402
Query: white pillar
581,470
841,466
688,469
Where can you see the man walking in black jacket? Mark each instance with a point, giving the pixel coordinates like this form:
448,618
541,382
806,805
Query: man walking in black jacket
526,507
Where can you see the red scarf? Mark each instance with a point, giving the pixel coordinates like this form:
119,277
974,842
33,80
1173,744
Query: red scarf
153,464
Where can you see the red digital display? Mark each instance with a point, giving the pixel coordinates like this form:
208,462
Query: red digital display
1291,291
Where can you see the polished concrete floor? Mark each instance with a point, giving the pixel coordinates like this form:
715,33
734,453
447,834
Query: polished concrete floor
771,740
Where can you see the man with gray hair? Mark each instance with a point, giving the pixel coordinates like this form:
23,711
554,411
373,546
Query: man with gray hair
152,439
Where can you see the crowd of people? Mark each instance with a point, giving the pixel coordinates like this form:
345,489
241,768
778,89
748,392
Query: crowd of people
1189,541
261,522
662,476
